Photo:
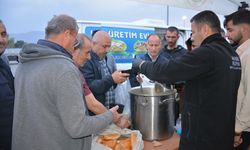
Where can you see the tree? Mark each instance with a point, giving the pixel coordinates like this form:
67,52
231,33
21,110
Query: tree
11,43
19,44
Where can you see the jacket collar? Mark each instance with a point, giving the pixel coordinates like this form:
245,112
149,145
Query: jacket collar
177,48
96,57
213,37
243,47
150,57
54,46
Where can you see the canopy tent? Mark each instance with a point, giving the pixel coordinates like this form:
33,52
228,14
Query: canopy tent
222,7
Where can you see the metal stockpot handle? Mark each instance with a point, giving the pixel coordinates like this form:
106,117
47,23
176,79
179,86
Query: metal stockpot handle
165,100
144,102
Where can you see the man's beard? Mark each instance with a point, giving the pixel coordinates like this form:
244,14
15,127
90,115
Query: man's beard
82,64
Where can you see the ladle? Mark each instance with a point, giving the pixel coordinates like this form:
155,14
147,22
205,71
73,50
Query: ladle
141,87
140,83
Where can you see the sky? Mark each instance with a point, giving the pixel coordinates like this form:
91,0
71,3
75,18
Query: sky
22,16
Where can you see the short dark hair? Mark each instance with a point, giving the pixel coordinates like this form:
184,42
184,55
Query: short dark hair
1,22
173,29
207,17
238,17
80,40
59,24
241,16
227,19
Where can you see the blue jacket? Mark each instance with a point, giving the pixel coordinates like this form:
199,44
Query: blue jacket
146,57
92,72
212,73
6,105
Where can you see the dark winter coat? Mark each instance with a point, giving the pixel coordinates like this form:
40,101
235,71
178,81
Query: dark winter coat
6,105
212,73
92,72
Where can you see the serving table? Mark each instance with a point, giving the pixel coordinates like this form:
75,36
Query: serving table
168,144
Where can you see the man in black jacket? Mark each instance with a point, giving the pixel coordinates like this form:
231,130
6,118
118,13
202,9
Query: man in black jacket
212,74
6,94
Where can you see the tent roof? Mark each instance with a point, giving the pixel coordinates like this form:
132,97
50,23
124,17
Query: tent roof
223,7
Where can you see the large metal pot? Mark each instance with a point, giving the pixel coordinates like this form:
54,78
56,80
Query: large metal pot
152,112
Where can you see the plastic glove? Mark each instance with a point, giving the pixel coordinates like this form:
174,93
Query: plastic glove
136,64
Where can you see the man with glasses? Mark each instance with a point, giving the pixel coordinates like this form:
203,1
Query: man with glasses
80,56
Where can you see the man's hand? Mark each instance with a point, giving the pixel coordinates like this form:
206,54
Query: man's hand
124,122
237,140
119,77
116,115
136,64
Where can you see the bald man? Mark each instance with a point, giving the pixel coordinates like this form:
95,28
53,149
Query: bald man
100,71
153,54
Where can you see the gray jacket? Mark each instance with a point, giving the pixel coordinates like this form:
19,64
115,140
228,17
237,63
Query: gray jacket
50,113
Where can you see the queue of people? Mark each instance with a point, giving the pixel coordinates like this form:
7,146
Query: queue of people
65,85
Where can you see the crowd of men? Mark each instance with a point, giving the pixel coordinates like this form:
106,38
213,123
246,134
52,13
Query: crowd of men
65,84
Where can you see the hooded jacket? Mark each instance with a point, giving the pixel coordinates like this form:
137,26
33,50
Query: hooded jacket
50,113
